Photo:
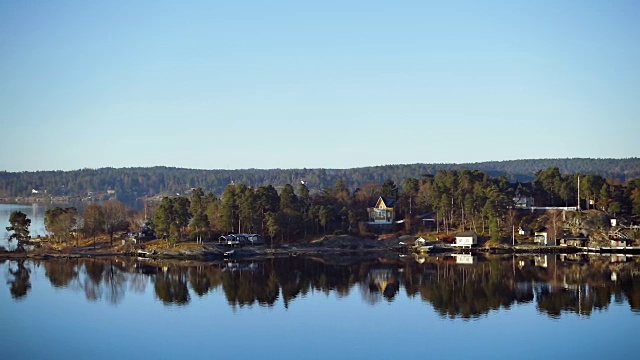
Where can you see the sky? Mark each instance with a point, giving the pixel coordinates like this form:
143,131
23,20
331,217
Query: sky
301,84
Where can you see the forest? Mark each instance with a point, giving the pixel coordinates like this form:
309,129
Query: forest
129,185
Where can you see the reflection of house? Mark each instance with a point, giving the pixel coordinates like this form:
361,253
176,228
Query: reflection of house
466,239
383,281
382,213
541,260
542,237
464,258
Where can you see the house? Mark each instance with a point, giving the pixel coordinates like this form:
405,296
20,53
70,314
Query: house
523,202
577,241
466,239
524,231
621,242
541,236
382,213
241,239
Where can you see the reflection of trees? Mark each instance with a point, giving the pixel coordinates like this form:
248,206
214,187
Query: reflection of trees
19,283
557,285
171,286
61,272
115,282
91,285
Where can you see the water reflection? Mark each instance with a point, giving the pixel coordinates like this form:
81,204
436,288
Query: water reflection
455,286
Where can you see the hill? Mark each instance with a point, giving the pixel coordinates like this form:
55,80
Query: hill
131,183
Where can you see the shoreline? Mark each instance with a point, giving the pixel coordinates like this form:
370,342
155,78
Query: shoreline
209,252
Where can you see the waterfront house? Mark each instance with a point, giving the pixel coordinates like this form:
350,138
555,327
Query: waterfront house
466,239
382,213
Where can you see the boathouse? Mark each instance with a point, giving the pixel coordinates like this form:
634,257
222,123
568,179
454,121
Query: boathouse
466,239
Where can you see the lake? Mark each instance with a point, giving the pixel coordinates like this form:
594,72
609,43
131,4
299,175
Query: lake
345,307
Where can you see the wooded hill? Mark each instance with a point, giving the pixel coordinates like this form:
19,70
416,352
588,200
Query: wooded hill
130,183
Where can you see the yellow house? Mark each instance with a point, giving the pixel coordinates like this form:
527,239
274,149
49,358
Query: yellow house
382,213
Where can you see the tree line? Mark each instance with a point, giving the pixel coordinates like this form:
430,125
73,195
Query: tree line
456,200
130,184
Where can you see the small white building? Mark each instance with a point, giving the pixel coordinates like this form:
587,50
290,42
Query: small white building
541,236
466,239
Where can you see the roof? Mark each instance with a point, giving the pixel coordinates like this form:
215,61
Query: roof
388,201
465,234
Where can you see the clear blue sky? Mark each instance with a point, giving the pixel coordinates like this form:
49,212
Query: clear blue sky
292,84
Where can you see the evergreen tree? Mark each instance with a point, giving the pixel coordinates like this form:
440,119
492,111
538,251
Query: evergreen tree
19,224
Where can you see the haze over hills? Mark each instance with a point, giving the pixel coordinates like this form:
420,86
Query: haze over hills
130,183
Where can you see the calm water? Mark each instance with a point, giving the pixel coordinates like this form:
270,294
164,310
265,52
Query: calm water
297,308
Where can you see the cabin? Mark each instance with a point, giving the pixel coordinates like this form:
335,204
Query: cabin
466,239
541,236
382,213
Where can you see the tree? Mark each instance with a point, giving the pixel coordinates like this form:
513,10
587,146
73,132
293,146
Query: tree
273,225
199,226
93,221
172,217
61,222
603,198
289,212
389,189
20,226
228,209
115,217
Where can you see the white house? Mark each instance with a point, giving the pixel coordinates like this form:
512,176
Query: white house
466,239
541,236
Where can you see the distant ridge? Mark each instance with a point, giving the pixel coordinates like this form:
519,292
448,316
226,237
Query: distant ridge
149,181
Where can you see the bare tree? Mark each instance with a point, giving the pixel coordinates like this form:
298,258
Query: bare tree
115,217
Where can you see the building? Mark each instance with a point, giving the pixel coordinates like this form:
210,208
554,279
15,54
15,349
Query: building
620,242
466,239
577,241
526,231
523,202
241,239
541,236
382,213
